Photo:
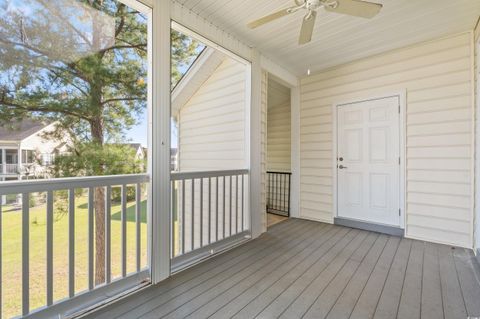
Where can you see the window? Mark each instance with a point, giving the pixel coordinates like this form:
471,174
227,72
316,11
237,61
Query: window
73,90
79,85
27,156
48,159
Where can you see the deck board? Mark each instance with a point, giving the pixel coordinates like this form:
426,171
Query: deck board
410,301
308,269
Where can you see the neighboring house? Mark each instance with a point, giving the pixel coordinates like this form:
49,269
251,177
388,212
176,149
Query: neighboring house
24,150
140,152
174,159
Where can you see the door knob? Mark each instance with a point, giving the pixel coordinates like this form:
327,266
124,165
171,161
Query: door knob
341,167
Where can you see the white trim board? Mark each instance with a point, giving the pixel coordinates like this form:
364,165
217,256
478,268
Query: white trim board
401,94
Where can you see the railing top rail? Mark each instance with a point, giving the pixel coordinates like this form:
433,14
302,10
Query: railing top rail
42,185
275,172
205,174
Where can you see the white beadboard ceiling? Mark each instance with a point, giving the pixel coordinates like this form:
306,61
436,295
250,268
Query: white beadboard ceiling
337,39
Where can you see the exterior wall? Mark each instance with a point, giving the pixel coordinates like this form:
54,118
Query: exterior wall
279,133
278,154
212,123
212,136
477,155
264,124
439,120
40,144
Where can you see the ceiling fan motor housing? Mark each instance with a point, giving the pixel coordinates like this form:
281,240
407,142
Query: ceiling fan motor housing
313,4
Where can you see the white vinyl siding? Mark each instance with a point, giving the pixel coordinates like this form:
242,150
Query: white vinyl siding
279,138
438,78
278,128
477,161
212,136
264,148
212,122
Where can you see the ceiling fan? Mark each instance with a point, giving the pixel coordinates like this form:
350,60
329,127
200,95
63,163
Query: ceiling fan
356,8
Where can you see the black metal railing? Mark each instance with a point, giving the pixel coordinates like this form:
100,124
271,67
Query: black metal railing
278,193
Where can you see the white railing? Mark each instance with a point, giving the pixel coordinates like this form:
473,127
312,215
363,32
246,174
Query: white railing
70,185
9,168
209,211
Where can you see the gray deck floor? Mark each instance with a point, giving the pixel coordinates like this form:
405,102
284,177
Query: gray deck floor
304,269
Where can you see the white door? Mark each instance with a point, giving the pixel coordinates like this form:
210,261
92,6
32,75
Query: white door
368,161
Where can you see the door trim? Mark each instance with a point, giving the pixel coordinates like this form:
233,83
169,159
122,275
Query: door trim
401,94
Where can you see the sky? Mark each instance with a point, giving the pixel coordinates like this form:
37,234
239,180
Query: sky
138,133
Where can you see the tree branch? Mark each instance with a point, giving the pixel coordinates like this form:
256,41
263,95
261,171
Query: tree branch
43,109
120,99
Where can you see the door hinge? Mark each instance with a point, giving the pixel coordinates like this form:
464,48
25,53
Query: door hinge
399,161
399,212
398,108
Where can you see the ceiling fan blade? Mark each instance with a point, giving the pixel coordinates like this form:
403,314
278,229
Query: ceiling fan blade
307,28
356,8
270,17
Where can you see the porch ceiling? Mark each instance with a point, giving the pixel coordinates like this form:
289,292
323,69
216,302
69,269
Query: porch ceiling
338,39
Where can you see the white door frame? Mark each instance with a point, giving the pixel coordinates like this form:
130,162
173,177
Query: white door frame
401,94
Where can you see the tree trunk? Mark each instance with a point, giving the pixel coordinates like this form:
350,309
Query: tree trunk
96,127
99,235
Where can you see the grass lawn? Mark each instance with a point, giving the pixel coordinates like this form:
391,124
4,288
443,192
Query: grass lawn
12,252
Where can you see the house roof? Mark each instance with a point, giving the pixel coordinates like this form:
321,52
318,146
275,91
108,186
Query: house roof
203,67
135,146
18,131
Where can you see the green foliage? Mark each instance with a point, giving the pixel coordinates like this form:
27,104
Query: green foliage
76,67
92,159
184,51
70,68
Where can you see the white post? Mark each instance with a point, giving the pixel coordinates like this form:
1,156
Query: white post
159,161
4,161
19,162
295,152
256,210
4,171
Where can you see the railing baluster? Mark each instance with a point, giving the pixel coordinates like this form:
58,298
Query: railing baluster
269,200
138,217
1,252
173,214
282,178
288,196
25,254
243,191
124,230
108,234
183,216
274,191
201,212
236,203
71,242
231,203
90,238
279,191
192,235
224,208
216,209
209,208
49,248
